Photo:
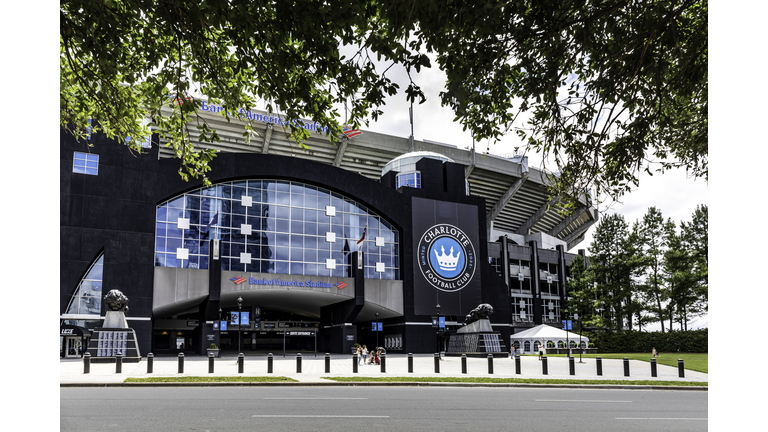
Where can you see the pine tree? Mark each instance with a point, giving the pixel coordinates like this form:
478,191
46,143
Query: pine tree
654,242
581,290
694,240
612,266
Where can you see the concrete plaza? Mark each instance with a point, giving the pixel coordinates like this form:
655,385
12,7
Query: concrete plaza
313,368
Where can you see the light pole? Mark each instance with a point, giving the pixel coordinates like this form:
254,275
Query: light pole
239,316
567,341
581,350
221,348
437,333
377,330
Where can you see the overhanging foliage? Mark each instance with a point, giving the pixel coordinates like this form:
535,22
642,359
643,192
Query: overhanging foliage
604,88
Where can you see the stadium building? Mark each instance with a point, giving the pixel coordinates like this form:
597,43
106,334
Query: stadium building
365,242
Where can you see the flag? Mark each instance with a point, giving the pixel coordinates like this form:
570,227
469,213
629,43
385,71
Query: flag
214,221
363,237
350,132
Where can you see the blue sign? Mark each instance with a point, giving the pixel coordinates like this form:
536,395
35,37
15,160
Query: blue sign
450,264
223,326
567,325
234,319
244,318
442,322
378,327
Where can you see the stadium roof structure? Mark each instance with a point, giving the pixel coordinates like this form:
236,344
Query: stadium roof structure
516,195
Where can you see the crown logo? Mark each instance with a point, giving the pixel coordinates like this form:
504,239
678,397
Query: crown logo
447,262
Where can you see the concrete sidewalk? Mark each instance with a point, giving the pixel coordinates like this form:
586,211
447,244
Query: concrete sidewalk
313,369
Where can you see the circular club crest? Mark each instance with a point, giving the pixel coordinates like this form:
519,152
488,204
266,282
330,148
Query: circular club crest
446,257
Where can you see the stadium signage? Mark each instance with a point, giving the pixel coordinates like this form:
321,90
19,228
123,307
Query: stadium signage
446,243
281,282
446,257
265,118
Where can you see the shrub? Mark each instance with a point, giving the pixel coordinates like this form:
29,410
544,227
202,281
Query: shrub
694,341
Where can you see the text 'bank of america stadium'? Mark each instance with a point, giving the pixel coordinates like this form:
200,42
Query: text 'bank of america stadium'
321,247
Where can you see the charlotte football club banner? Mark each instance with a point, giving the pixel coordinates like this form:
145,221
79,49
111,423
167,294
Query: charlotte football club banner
446,242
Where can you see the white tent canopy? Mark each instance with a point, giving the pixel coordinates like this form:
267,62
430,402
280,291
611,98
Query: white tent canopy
530,340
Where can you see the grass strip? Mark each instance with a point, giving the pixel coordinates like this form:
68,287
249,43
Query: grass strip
206,379
516,381
698,362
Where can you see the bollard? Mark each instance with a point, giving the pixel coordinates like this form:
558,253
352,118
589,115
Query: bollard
86,363
410,362
599,363
571,366
270,360
383,359
653,367
354,363
150,362
181,362
490,364
626,366
327,363
437,363
210,362
544,369
298,363
119,363
240,363
517,365
463,363
680,368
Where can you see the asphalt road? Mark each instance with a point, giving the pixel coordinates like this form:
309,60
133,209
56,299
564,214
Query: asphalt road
389,409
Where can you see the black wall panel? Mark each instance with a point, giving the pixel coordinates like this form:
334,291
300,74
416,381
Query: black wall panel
115,212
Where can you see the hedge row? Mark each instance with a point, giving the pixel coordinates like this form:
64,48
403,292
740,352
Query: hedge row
694,341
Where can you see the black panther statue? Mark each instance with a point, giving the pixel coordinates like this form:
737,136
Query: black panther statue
116,300
482,311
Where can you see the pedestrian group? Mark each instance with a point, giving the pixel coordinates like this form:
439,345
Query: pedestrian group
368,357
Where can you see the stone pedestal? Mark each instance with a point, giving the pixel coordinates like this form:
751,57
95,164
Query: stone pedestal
115,320
114,337
476,339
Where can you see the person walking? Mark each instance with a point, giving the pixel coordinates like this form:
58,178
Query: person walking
541,351
512,351
359,354
365,353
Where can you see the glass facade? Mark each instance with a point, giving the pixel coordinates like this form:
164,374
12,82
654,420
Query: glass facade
87,297
274,226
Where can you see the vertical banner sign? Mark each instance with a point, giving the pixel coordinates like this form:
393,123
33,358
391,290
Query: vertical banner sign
256,317
446,240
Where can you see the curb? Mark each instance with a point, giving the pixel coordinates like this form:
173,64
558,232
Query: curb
386,384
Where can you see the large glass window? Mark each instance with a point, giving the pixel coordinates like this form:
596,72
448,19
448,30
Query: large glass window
519,276
522,309
274,226
551,311
411,179
87,297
